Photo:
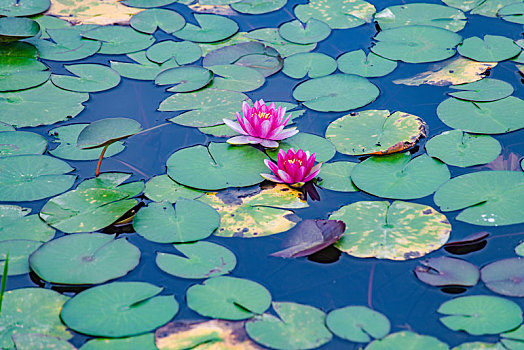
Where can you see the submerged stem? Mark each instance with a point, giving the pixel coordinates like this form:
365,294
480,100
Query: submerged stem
100,160
4,280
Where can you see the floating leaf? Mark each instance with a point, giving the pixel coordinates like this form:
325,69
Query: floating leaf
445,271
49,23
200,260
407,341
187,221
142,342
338,14
416,44
477,345
38,341
506,161
311,32
310,236
468,244
255,213
210,28
336,176
308,142
161,188
87,258
16,28
483,90
184,79
183,52
92,11
67,45
400,177
336,93
257,7
119,309
513,339
461,149
480,314
512,13
19,68
148,3
15,223
90,78
236,78
491,48
396,231
14,143
358,324
312,64
270,37
503,277
228,298
149,20
33,177
299,327
144,69
118,40
31,310
375,132
21,8
19,251
42,105
356,62
491,198
107,131
223,165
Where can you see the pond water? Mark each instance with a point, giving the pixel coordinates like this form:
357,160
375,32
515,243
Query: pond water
335,279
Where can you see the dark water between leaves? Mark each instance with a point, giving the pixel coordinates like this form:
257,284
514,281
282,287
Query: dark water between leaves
387,286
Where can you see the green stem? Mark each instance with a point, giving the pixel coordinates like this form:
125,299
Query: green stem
4,280
100,160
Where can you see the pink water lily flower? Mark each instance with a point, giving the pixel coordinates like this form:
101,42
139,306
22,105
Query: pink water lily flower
261,124
293,167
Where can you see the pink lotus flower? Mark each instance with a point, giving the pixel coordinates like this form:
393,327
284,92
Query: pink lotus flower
261,124
293,167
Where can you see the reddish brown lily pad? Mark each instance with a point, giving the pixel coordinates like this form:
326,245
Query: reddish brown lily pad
505,277
445,271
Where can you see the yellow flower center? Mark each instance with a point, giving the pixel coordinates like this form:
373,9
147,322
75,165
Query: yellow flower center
292,161
264,115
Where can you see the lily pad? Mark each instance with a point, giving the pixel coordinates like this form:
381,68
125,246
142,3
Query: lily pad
375,132
15,223
445,271
400,177
148,3
42,105
513,339
67,45
255,213
106,131
19,68
211,28
49,23
299,327
187,221
87,258
480,314
505,277
491,48
489,198
236,78
311,32
202,106
338,14
358,324
228,298
149,20
257,7
396,231
39,341
407,341
16,28
117,40
323,148
312,64
90,78
223,165
183,52
477,345
370,66
142,342
336,93
512,13
33,177
143,69
119,309
21,8
270,37
416,44
161,188
31,310
184,79
200,260
483,90
336,176
461,149
92,11
19,251
14,143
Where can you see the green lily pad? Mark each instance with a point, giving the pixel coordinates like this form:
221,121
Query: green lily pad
400,177
21,8
184,79
106,131
85,258
16,223
495,117
142,342
223,165
477,345
204,108
484,90
489,8
113,181
199,260
421,14
512,339
49,23
89,78
358,324
42,105
512,13
147,3
228,298
187,221
370,66
491,48
407,341
375,132
14,143
336,93
336,176
143,69
299,327
211,28
490,198
33,177
255,213
67,137
323,148
67,45
19,251
312,64
270,37
31,310
338,14
183,52
461,149
236,78
118,40
480,314
149,21
396,231
162,188
6,127
119,309
39,341
312,32
416,44
258,7
22,73
16,28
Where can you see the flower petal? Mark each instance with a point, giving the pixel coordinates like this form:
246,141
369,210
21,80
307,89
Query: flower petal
271,178
272,166
314,172
235,126
269,143
286,133
265,127
239,140
284,176
299,175
271,135
246,110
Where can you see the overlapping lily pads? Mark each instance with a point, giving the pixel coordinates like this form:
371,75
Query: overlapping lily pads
490,48
90,78
143,69
484,90
336,176
19,251
236,78
118,40
143,342
16,223
407,340
210,28
148,21
67,45
184,79
446,271
21,142
356,62
184,52
337,14
358,323
271,37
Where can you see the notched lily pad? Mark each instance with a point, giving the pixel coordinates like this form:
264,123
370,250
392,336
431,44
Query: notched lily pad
358,323
483,90
505,277
338,14
106,131
445,271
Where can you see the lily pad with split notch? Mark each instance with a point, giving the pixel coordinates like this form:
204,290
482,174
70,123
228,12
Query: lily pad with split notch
407,340
257,7
184,79
513,12
312,64
160,188
183,52
396,231
67,45
270,37
505,277
446,271
143,68
87,258
210,28
150,20
491,48
370,66
92,12
338,14
117,40
483,90
336,176
228,298
358,323
119,309
89,78
236,78
312,31
17,28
